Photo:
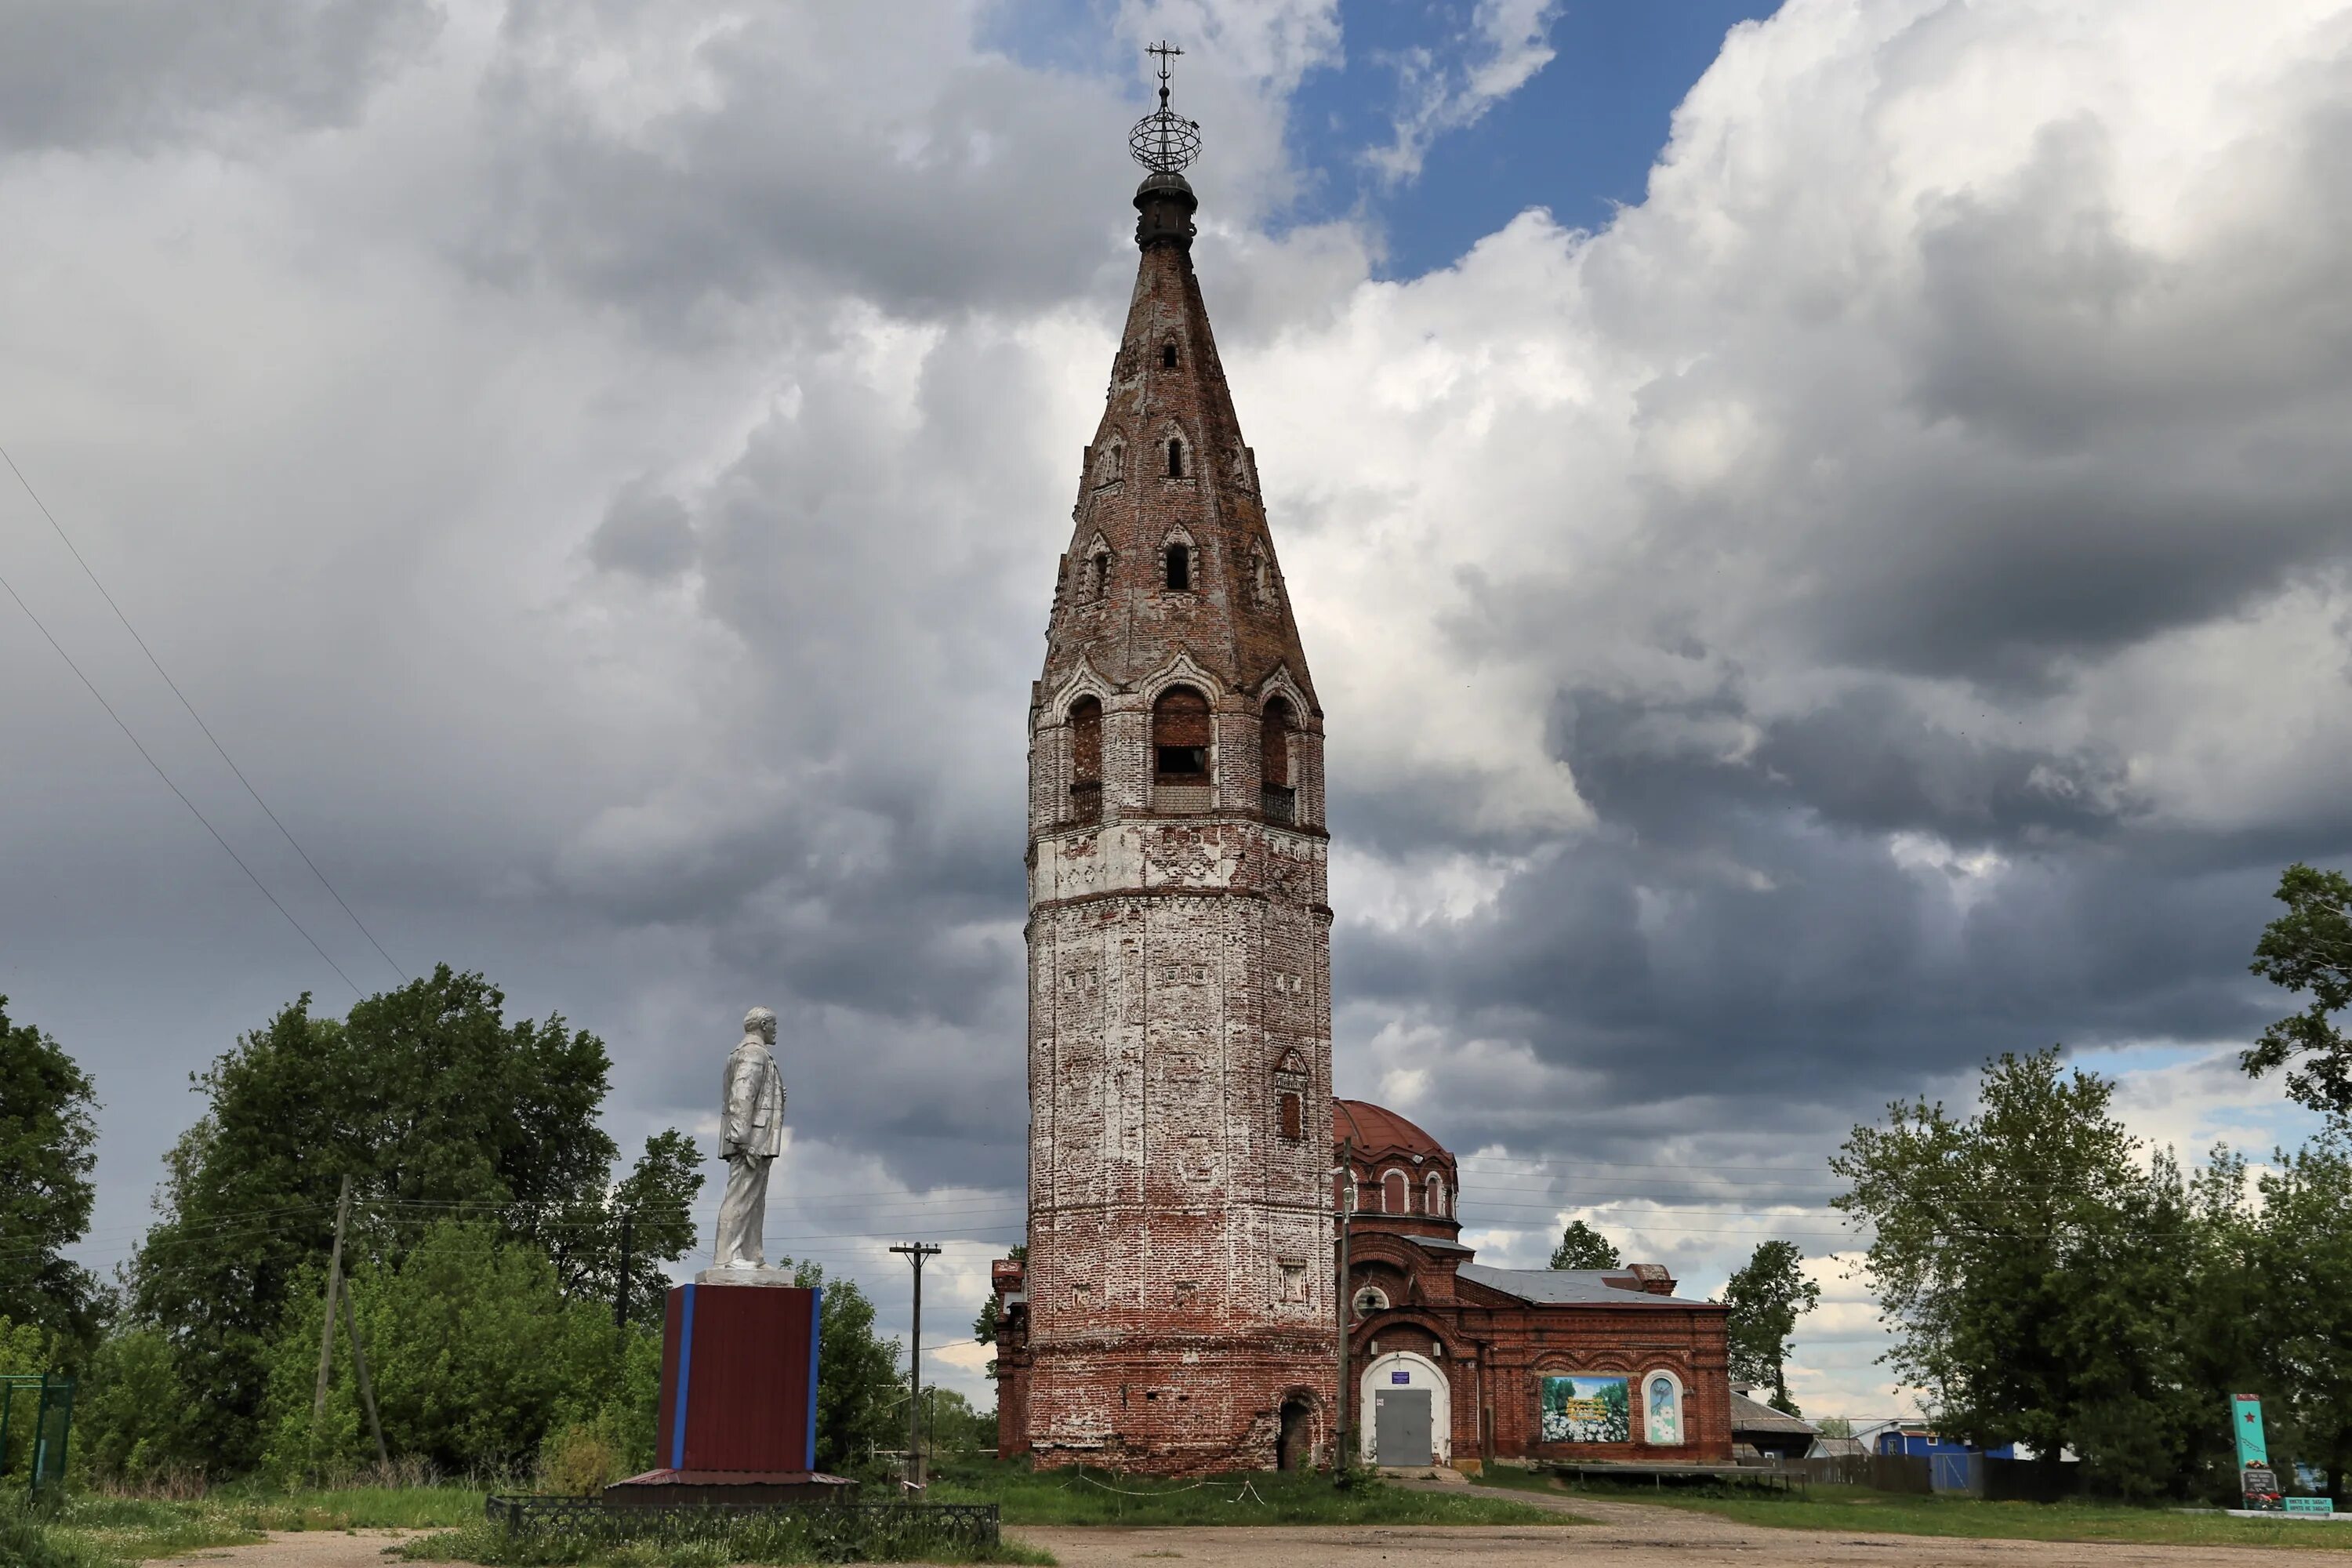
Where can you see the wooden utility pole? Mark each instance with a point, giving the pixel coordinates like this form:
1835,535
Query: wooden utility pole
621,1291
916,1252
327,1324
1339,1451
360,1375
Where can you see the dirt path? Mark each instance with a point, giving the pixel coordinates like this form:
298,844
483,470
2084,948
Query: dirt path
1629,1535
299,1549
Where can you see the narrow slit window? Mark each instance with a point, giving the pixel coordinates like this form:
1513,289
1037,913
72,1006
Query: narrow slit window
1294,1119
1167,356
1101,584
1175,458
1180,567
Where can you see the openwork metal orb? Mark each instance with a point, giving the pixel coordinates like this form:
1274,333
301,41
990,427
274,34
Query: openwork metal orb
1165,140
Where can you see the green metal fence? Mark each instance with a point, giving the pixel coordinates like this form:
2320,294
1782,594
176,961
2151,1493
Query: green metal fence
36,1420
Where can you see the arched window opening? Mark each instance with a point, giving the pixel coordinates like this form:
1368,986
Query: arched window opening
1167,356
1662,1409
1290,1097
1261,580
1175,458
1111,463
1180,566
1393,1188
1098,578
1086,760
1279,797
1436,1195
1180,751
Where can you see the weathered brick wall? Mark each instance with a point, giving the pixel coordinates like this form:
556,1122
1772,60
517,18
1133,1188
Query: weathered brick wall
1179,1287
1493,1357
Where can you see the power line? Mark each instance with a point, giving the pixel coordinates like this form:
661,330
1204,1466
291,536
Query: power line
176,789
191,707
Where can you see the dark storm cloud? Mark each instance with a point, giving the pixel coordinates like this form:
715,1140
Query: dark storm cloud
98,74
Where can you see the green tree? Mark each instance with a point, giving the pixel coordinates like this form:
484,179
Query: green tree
861,1405
2034,1273
952,1425
2303,1262
1834,1427
1581,1246
48,1147
435,1104
132,1414
2309,949
1767,1297
476,1355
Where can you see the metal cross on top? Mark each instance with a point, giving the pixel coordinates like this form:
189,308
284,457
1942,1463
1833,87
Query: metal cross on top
1166,51
1163,139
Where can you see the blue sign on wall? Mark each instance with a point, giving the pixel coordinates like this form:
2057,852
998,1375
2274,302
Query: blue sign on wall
1400,1377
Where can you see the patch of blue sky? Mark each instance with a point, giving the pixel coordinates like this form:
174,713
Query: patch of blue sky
2195,1095
1577,137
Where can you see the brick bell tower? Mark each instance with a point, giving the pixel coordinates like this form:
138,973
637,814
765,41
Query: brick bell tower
1177,1297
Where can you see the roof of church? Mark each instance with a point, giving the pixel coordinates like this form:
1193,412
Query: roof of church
1569,1287
1375,1129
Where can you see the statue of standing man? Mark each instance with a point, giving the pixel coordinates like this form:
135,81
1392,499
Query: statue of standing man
750,1136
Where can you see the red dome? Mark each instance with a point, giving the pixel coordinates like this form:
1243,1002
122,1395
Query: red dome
1376,1129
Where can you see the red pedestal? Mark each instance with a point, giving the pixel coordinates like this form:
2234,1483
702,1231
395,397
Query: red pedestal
738,1379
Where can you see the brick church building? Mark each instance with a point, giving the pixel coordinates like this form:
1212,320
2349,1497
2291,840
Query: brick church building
1178,1311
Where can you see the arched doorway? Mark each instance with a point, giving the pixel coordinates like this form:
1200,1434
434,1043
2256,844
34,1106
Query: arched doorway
1405,1409
1295,1448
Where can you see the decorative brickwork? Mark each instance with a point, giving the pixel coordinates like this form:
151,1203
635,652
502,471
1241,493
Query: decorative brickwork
1176,1311
1423,1314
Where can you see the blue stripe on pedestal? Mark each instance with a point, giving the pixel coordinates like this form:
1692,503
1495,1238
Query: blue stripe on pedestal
816,1325
684,1381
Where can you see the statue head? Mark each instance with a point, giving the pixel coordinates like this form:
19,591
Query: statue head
760,1021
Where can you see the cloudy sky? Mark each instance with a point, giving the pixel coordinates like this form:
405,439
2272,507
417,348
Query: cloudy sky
1821,534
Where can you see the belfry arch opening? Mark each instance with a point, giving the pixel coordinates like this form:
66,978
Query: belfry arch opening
1181,731
1279,794
1086,760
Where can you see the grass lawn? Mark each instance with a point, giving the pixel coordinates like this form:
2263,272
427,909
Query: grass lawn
1855,1508
1303,1497
91,1530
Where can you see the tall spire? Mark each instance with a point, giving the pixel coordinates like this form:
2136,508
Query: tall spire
1169,468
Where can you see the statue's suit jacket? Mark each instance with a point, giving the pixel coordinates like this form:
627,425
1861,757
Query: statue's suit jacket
752,1091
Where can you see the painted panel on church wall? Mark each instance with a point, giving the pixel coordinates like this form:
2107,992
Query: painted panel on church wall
1586,1410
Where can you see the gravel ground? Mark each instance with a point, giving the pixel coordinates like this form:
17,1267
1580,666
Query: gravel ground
1628,1535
